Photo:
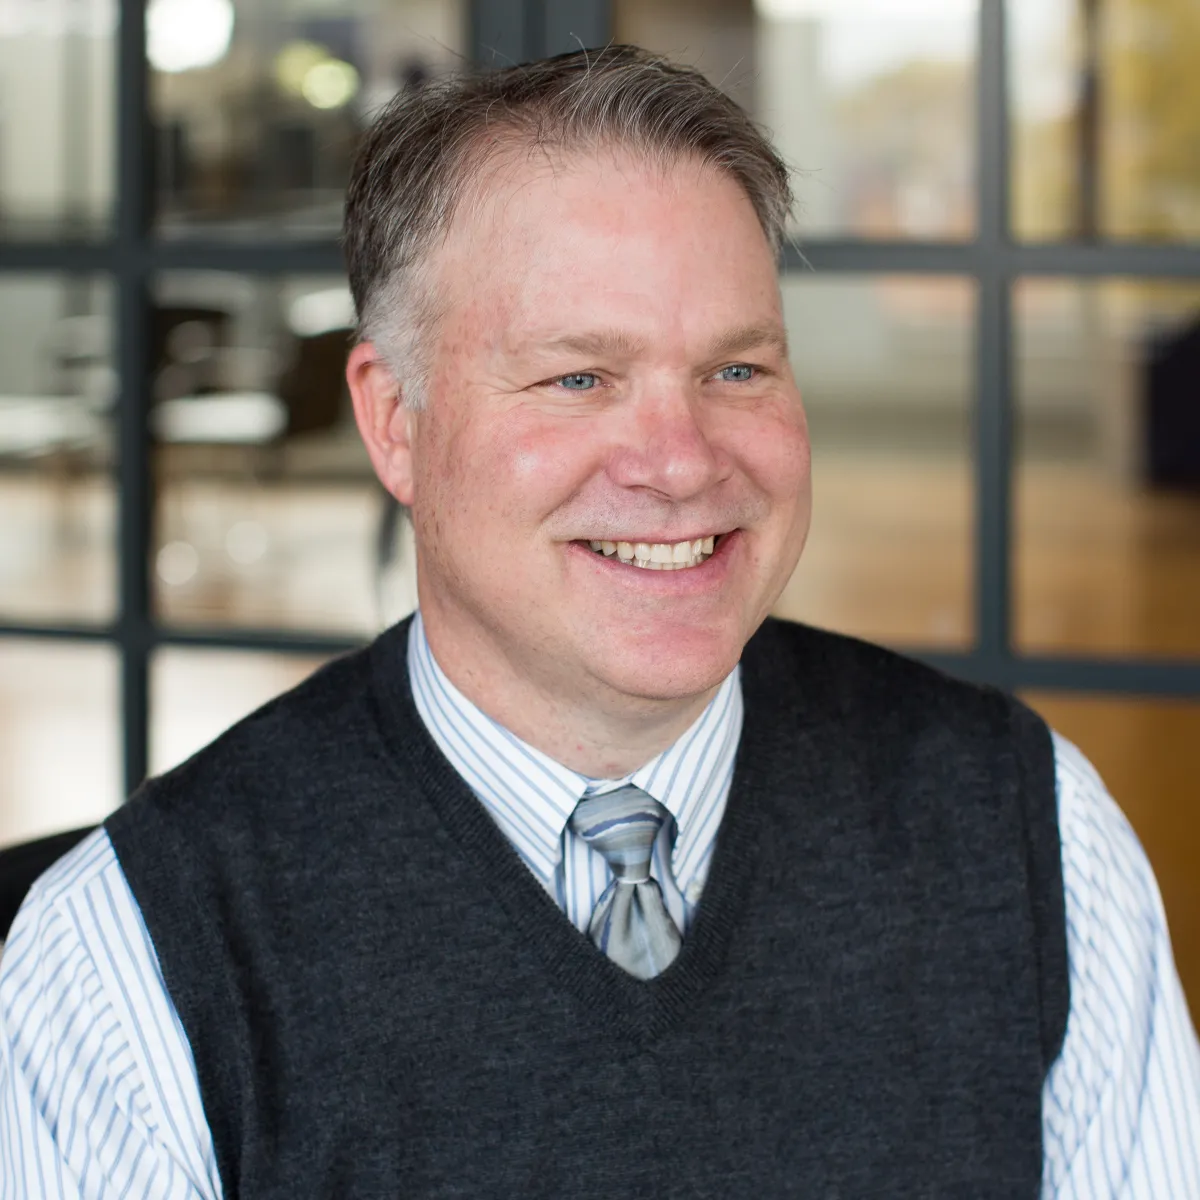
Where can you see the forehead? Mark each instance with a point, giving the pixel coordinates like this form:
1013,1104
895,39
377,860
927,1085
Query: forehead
516,180
553,239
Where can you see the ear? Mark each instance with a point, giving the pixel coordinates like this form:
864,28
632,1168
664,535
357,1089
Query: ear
385,423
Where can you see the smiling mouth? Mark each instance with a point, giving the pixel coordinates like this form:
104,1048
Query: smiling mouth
659,556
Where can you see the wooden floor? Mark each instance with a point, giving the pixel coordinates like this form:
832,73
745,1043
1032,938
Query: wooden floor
1098,569
1148,752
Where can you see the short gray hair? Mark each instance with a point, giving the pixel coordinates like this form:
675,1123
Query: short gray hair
426,147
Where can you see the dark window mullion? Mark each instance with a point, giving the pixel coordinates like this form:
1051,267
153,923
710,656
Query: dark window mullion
503,32
879,257
134,622
993,393
575,24
512,30
1129,259
1096,676
79,257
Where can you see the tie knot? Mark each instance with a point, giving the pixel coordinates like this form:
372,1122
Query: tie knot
622,826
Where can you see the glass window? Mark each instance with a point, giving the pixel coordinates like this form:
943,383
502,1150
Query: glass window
269,514
870,101
57,104
195,695
59,737
1148,753
57,395
1106,119
1107,519
258,104
884,366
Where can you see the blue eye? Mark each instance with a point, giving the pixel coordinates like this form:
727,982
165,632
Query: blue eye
738,373
581,381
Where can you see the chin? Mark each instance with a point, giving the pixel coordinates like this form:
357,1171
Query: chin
670,672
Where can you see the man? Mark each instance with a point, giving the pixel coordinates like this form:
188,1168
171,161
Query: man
589,880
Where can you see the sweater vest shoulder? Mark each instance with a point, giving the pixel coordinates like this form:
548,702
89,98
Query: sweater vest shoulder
382,1000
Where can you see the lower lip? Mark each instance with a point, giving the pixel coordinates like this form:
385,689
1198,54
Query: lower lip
699,578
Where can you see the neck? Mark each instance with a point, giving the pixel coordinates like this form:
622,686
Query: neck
602,736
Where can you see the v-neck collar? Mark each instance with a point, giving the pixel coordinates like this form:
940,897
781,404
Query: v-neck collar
635,1009
531,796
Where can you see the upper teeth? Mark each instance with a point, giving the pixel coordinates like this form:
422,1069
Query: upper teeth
659,556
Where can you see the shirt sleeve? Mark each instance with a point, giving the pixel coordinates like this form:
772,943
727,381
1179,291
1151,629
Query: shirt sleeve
1121,1105
98,1090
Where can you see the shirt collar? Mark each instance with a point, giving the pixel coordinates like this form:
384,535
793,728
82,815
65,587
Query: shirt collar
531,796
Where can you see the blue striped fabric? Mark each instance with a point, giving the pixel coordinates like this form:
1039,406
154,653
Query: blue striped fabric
531,797
98,1089
1121,1107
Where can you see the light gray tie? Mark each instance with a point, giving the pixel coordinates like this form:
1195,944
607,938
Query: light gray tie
630,923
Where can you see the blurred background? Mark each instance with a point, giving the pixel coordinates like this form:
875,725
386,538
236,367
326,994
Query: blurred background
993,296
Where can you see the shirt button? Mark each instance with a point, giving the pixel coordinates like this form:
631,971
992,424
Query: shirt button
693,891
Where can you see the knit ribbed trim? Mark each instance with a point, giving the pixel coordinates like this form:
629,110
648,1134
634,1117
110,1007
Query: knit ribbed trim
631,1009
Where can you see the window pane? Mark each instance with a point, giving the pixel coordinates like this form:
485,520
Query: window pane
884,368
59,737
1107,517
268,511
57,392
870,101
1148,752
195,695
57,103
1106,119
257,106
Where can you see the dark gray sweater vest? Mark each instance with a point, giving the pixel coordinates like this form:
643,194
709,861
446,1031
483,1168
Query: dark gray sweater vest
383,1002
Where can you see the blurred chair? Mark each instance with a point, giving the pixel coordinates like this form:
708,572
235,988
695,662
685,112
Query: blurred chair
34,427
1172,414
211,396
71,417
184,344
220,419
81,353
312,387
314,390
64,432
193,404
193,409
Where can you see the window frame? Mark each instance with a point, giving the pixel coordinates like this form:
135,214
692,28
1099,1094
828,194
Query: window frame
513,30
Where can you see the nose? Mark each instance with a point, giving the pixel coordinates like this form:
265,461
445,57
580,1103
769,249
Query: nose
667,447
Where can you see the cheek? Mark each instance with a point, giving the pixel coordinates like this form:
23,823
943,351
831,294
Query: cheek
543,457
509,471
774,451
451,492
548,463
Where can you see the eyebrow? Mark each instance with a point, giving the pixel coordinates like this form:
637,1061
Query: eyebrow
750,337
601,342
598,342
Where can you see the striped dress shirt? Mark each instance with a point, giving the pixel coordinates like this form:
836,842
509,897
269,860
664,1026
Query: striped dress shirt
531,797
99,1096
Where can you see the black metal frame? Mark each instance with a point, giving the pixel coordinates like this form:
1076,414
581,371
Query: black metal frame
504,31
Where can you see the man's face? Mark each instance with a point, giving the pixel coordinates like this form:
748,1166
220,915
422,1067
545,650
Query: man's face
611,368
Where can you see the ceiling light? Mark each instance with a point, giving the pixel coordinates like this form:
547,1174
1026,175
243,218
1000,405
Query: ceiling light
182,35
294,62
879,10
330,84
